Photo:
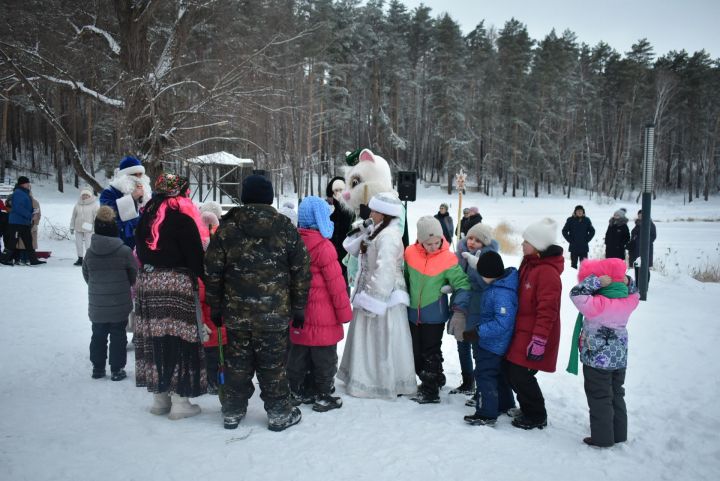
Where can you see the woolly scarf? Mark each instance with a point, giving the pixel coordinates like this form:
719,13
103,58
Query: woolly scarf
616,290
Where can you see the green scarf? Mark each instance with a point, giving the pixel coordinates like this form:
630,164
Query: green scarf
616,290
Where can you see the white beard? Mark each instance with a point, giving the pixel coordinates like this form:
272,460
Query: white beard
126,184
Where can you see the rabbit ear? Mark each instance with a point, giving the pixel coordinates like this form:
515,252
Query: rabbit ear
366,155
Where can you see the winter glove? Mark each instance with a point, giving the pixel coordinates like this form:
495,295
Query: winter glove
446,289
536,348
470,336
456,326
216,318
471,259
298,321
205,333
364,211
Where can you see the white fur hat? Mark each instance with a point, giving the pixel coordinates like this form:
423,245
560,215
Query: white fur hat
212,206
542,234
481,232
386,203
428,227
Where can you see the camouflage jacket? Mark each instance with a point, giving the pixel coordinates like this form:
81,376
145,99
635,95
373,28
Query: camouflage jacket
257,269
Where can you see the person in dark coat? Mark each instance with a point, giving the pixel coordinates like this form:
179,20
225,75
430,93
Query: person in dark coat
20,222
109,269
471,216
341,218
446,222
634,244
578,231
169,356
617,235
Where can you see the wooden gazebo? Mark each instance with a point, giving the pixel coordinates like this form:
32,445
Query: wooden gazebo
217,175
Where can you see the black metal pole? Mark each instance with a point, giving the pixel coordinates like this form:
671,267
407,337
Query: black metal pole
648,169
406,235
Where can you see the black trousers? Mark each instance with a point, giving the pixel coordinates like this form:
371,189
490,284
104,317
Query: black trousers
606,401
99,345
575,257
22,232
427,350
522,381
321,360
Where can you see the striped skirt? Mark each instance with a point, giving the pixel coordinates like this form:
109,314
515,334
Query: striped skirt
169,355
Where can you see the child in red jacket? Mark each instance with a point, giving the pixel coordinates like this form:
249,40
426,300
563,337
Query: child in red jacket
534,346
314,339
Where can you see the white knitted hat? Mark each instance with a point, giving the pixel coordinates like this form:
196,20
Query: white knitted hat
481,232
542,234
428,227
386,203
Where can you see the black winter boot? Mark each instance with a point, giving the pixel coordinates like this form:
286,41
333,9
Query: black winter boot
78,262
467,387
426,395
326,402
284,421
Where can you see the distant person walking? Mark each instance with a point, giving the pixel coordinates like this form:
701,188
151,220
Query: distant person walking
20,223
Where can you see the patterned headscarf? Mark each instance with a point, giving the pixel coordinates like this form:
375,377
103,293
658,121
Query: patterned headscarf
171,185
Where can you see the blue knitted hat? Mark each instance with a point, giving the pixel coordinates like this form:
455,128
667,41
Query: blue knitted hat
314,213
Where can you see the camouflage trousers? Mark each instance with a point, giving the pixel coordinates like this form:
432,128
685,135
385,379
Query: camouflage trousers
250,352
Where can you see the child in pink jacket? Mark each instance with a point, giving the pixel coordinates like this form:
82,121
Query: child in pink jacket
314,339
605,297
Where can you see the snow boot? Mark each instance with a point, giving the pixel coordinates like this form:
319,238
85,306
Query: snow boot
284,421
472,402
326,402
161,403
36,262
181,408
524,422
231,420
514,412
589,441
478,420
78,262
467,387
118,375
426,395
98,373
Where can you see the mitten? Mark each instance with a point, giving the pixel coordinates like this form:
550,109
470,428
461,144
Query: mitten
364,211
471,259
456,326
216,318
536,348
446,289
298,319
205,333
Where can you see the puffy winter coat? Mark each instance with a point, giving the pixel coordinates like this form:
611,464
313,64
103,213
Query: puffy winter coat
257,269
539,295
328,304
617,237
83,215
426,273
477,284
578,231
604,337
110,270
497,317
22,208
446,222
466,223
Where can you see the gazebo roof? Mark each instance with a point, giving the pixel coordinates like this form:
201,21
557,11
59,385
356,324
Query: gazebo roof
219,158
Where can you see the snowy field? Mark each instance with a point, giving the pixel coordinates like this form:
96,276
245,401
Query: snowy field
56,423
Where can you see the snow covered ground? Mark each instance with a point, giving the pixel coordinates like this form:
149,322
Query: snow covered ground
56,423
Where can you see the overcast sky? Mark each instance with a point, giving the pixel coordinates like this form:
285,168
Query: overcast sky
667,24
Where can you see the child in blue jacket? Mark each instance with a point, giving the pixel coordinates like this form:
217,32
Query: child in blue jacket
494,331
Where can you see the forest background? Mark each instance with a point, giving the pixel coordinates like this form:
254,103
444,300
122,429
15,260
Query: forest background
294,84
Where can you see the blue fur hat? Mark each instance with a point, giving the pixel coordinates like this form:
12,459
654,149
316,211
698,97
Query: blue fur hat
314,213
